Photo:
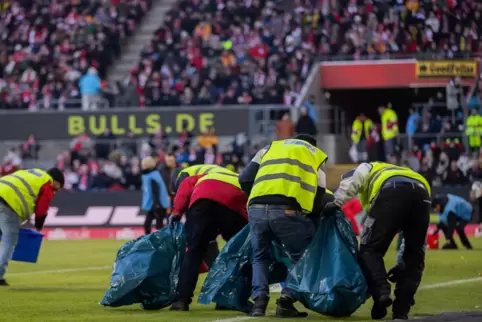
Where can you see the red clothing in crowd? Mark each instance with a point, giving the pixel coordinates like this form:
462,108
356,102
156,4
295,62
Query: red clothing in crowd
218,191
351,209
45,196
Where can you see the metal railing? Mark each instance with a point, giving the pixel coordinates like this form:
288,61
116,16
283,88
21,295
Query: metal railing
396,56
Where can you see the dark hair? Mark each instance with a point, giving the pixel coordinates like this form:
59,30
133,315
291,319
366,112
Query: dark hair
57,175
307,138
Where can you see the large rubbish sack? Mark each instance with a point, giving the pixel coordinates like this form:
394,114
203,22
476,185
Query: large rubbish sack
328,279
229,280
146,269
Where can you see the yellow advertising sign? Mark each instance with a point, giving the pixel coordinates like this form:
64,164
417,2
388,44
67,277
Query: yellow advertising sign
445,69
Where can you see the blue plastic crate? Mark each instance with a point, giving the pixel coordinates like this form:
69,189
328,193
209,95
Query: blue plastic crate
28,246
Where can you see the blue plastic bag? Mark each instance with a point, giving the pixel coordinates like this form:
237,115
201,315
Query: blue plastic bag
328,279
229,280
146,270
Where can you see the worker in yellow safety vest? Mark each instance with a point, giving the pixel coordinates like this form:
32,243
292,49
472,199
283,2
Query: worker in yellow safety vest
194,170
389,129
473,130
360,132
22,194
285,182
396,199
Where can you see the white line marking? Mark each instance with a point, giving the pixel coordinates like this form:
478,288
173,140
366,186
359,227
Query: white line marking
423,287
60,271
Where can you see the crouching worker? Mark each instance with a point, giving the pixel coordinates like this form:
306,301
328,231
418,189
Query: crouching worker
286,183
178,177
454,213
22,194
396,199
155,197
215,205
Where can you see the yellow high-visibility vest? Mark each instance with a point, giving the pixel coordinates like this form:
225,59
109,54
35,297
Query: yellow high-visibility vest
380,173
21,188
389,116
231,178
289,168
202,169
358,128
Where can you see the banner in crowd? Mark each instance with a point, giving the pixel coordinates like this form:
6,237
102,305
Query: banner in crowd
401,73
446,68
117,215
65,125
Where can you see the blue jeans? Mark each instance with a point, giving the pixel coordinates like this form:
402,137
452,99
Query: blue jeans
293,230
9,227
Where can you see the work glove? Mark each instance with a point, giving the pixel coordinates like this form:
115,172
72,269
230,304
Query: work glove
173,219
330,209
395,272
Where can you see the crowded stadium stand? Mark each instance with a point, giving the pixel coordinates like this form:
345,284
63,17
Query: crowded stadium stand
47,46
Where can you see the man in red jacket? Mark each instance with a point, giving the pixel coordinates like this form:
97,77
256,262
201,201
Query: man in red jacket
215,205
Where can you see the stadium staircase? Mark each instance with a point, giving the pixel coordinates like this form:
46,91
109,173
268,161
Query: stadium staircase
131,51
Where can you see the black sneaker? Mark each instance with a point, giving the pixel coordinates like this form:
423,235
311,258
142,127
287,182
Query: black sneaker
3,283
379,309
286,309
400,317
179,306
260,305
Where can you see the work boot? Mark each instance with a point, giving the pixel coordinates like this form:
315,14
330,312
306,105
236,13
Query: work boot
399,317
3,282
260,305
379,309
286,309
449,245
179,306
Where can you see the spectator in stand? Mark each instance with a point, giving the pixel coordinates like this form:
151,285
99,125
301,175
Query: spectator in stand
305,124
285,128
475,171
30,148
208,139
105,144
80,147
454,176
89,86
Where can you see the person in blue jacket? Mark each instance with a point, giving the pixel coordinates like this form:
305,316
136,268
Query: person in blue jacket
454,214
155,197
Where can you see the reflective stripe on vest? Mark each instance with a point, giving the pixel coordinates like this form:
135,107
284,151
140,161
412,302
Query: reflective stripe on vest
230,178
379,174
19,194
289,168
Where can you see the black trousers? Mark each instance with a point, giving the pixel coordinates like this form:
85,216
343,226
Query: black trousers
455,224
401,207
158,215
206,219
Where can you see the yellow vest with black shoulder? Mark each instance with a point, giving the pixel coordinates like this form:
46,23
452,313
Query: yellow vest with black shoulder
20,190
231,178
380,173
202,169
289,168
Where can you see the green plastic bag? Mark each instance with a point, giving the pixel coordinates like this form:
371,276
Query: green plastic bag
146,270
229,280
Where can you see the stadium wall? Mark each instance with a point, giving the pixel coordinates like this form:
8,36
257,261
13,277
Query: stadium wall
117,215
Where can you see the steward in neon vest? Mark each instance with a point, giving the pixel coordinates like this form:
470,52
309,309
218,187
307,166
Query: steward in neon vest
194,170
22,194
215,204
285,182
396,199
